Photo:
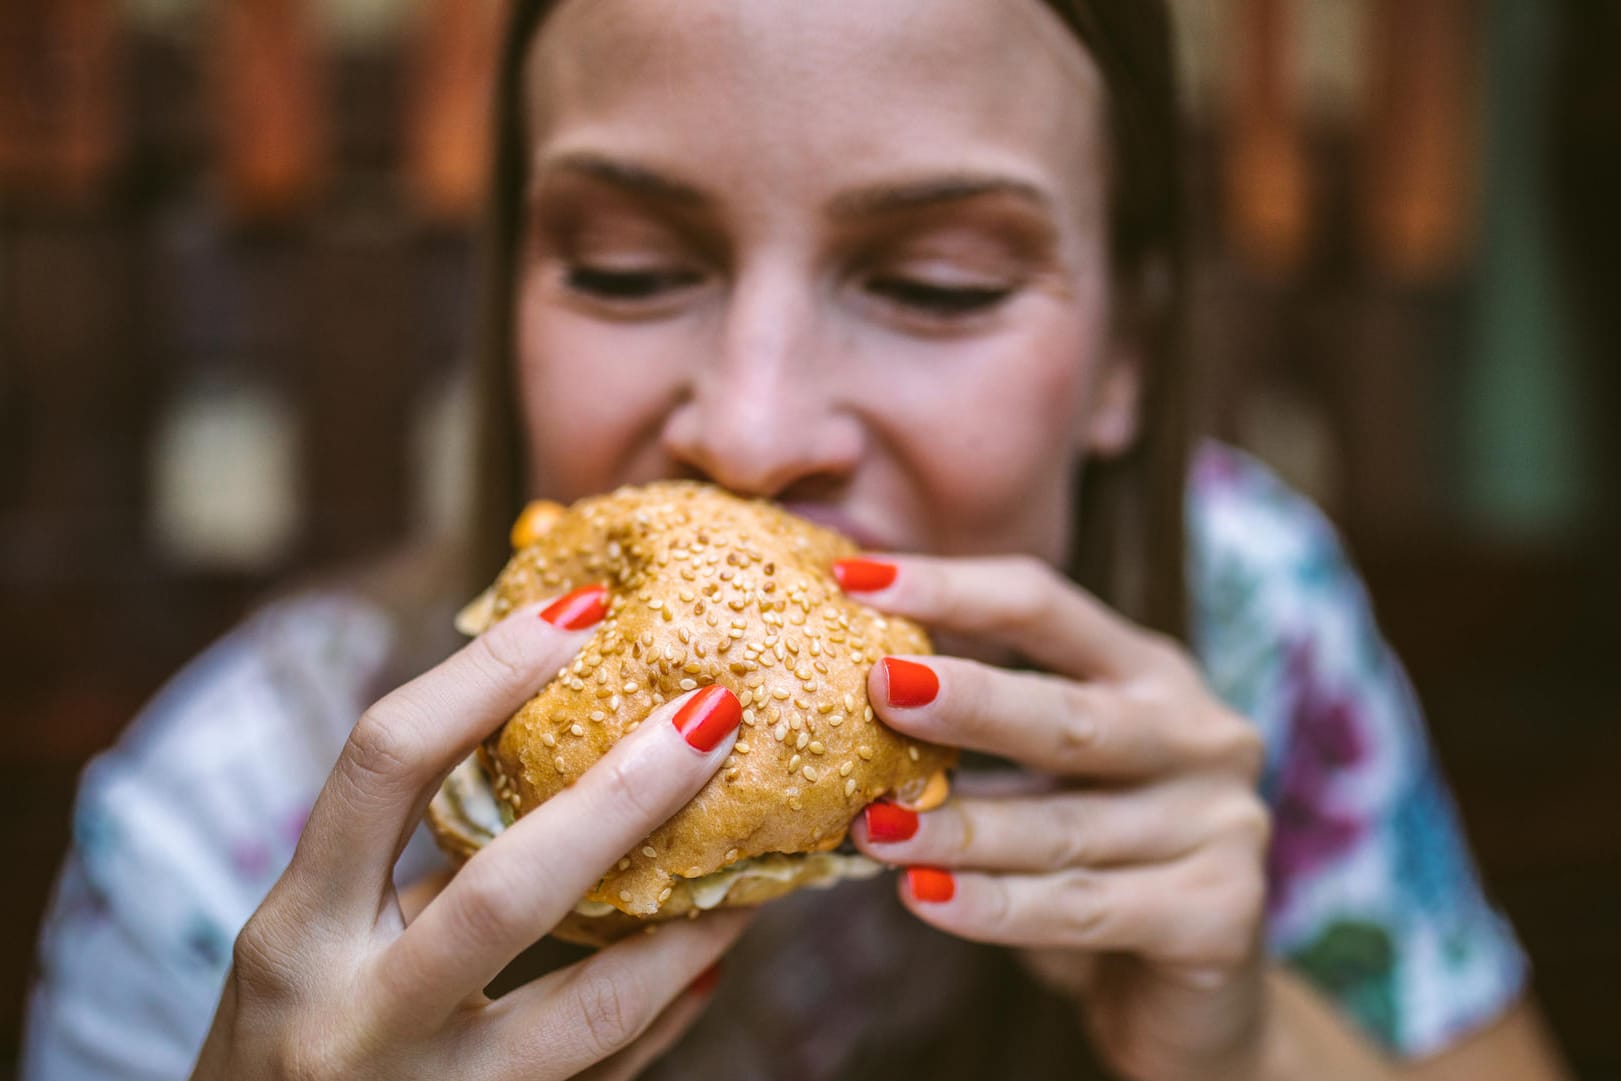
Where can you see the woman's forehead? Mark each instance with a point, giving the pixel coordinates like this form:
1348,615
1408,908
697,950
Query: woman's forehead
809,85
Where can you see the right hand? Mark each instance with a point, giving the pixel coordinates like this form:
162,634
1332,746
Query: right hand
329,980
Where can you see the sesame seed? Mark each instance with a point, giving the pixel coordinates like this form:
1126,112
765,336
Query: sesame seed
613,703
631,686
796,804
850,787
731,855
780,694
598,715
692,668
650,852
846,768
804,738
655,604
816,747
866,713
560,763
576,729
548,739
732,774
689,684
664,895
746,698
809,772
803,672
749,716
741,746
911,752
796,722
687,595
824,708
849,704
780,732
836,720
865,752
624,865
793,763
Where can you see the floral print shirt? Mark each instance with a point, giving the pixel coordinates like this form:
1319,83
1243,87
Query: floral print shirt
182,827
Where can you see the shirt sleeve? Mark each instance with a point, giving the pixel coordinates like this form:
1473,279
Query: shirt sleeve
178,833
1374,897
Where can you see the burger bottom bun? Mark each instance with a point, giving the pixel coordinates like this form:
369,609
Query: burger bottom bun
465,816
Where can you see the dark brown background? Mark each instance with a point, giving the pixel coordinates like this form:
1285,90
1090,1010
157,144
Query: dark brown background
1349,264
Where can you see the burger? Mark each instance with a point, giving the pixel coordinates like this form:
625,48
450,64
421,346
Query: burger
706,588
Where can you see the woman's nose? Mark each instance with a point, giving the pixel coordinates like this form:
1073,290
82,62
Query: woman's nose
765,413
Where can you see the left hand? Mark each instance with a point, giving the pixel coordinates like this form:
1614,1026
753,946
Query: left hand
1130,865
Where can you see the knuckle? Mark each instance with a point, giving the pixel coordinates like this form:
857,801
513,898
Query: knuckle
627,788
1240,746
608,1019
1082,912
1071,843
381,748
1080,721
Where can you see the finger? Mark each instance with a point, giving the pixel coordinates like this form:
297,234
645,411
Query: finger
1200,912
660,1037
1052,724
1150,824
587,1014
401,747
1018,601
520,885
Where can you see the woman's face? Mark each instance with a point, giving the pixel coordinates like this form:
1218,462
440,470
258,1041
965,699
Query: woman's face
850,255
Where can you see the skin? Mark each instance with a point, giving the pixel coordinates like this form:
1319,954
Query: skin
827,254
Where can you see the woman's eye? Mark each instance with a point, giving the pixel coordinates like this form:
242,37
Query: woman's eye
611,284
939,300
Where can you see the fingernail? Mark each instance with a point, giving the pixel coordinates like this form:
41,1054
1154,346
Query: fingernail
706,981
908,683
863,575
708,717
930,884
888,822
579,609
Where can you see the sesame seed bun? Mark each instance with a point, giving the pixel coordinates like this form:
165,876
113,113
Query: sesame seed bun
705,588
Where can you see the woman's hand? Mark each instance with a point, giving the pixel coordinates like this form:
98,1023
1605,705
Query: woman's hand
1129,862
330,981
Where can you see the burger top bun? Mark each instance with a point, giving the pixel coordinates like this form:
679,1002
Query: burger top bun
708,588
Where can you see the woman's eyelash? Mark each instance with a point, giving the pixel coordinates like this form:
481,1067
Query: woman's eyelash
944,300
627,284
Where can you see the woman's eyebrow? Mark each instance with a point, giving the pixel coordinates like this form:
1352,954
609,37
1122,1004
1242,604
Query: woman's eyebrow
930,191
628,176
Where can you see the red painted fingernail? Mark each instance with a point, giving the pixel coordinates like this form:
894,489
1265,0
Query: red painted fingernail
706,981
931,884
863,575
909,684
579,609
708,716
888,822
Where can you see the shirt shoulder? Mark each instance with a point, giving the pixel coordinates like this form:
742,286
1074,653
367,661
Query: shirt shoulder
181,827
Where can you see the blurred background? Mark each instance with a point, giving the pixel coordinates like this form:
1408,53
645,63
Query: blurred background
237,270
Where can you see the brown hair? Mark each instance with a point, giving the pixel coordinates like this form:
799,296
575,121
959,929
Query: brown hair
1129,538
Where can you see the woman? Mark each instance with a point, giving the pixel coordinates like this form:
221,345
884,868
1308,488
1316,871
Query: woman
909,267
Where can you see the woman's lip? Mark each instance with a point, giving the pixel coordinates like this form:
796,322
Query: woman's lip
833,518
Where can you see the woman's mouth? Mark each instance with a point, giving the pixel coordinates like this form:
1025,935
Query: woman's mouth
833,518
